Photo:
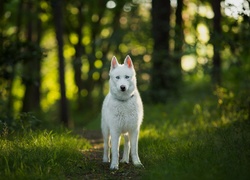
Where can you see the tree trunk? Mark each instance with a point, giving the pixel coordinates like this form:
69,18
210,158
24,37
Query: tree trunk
18,29
77,62
179,39
216,71
58,17
164,76
32,66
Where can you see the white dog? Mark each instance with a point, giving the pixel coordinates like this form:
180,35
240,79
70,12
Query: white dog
122,113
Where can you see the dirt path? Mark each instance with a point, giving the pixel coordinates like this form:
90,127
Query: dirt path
100,170
94,137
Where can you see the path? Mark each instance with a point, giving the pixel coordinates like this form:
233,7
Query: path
100,170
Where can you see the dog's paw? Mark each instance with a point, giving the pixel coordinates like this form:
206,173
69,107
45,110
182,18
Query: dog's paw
138,164
124,161
114,167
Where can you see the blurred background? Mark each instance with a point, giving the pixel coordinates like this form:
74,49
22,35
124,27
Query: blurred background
55,55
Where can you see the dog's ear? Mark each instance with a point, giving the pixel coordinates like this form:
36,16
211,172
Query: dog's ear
128,61
114,63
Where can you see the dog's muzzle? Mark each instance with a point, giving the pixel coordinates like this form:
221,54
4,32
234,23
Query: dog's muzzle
123,88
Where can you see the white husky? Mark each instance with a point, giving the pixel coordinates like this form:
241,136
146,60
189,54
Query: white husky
122,113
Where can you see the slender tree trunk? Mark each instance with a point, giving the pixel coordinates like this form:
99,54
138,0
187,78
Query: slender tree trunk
28,78
1,10
216,71
58,17
179,39
77,62
19,19
39,31
163,72
11,78
31,73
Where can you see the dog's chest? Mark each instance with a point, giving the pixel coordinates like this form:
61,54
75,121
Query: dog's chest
125,114
124,109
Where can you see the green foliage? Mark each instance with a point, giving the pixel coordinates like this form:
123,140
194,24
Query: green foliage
16,52
23,122
14,57
41,155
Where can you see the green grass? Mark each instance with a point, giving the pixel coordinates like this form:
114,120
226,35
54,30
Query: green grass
188,153
41,155
196,139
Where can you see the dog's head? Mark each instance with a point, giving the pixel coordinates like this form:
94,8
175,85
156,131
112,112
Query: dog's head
122,78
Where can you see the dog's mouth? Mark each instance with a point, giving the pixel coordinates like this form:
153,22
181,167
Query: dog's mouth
122,88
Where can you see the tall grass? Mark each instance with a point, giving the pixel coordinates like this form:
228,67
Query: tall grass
41,155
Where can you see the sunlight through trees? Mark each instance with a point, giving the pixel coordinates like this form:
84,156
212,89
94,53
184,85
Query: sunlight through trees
169,46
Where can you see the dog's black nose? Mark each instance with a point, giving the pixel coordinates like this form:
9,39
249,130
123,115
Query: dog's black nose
123,88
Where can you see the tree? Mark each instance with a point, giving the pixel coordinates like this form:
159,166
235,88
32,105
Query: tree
164,75
216,71
58,17
79,51
32,63
178,39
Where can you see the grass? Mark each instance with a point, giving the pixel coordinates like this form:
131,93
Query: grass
41,155
200,136
190,150
206,137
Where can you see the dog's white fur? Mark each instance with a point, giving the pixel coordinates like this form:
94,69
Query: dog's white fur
122,113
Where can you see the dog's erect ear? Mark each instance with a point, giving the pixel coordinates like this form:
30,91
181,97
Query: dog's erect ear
114,63
128,61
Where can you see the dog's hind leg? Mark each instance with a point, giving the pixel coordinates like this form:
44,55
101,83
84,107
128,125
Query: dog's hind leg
126,150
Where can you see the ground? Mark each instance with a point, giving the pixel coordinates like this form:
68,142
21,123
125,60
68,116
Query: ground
100,170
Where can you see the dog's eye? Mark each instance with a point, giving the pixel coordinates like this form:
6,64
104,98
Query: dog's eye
126,77
117,77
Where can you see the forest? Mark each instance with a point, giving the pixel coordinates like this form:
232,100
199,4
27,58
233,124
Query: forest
193,73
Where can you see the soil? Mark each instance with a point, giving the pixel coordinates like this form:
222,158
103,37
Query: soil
100,170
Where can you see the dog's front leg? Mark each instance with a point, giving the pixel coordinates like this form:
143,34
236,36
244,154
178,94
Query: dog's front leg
134,148
115,141
106,147
126,150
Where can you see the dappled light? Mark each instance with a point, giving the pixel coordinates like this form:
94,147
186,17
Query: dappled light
18,90
188,62
111,4
203,33
192,66
234,8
